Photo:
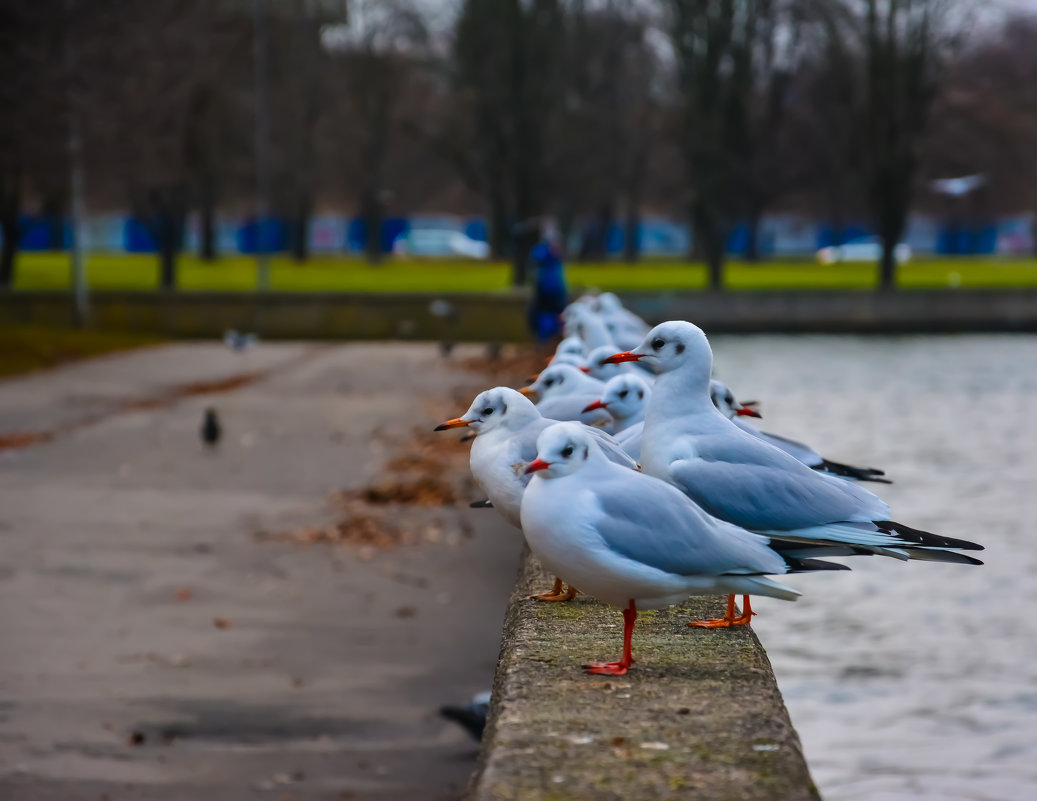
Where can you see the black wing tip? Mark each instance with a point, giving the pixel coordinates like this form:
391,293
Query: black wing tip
483,504
925,538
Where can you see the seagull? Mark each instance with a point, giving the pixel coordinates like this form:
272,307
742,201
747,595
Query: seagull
506,426
634,541
582,322
627,328
625,397
740,478
239,341
723,398
568,347
564,391
211,429
598,368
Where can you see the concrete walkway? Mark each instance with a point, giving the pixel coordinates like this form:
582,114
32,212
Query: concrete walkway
152,647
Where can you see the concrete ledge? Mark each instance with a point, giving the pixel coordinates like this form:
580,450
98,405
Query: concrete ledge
481,316
698,717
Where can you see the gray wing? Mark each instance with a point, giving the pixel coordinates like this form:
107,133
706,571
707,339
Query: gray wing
754,485
612,448
647,520
570,408
629,439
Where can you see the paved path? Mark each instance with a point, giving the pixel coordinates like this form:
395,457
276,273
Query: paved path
136,601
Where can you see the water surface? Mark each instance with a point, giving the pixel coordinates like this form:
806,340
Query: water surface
912,680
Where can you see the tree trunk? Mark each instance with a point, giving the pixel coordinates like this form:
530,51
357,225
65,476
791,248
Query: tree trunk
52,213
525,239
207,221
9,227
499,234
167,263
300,230
752,244
631,237
373,227
710,241
888,265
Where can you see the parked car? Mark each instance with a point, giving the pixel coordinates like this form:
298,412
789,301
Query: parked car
439,242
866,248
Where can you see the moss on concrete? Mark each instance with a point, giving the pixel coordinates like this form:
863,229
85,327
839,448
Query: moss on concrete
698,717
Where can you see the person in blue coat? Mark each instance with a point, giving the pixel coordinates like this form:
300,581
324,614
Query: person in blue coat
549,294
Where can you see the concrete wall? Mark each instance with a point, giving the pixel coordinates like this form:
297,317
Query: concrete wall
501,316
698,718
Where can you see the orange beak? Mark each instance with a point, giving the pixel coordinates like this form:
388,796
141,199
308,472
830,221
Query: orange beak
537,464
746,412
590,407
619,358
529,392
457,422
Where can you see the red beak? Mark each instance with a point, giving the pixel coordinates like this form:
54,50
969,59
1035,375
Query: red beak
747,412
584,369
596,405
618,358
537,464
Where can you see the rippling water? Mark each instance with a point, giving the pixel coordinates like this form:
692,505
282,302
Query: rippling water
912,680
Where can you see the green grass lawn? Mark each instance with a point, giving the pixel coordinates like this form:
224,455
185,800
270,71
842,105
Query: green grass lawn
347,274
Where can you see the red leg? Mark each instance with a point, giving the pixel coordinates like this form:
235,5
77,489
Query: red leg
728,619
747,613
623,665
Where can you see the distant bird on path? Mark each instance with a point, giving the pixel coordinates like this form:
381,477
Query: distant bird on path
211,429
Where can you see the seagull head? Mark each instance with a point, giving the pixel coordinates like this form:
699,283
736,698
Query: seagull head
674,345
556,380
561,449
601,369
570,345
609,302
624,396
724,399
493,408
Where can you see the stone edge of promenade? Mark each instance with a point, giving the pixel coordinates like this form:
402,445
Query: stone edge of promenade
501,317
699,717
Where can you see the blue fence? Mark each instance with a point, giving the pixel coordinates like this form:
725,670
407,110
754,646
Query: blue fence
777,235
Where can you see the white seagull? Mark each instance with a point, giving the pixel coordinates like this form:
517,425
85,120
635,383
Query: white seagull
625,398
737,477
506,425
563,391
634,541
724,399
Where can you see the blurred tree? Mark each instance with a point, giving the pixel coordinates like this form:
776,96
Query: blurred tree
717,46
905,47
374,60
33,104
506,58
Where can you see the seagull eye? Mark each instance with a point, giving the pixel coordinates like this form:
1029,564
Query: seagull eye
549,382
488,411
624,393
567,451
658,343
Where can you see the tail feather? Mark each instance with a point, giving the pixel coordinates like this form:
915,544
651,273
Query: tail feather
801,565
851,471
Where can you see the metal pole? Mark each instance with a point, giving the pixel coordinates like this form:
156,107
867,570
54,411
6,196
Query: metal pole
262,140
76,181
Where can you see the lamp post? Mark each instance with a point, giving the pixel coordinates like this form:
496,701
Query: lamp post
262,140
